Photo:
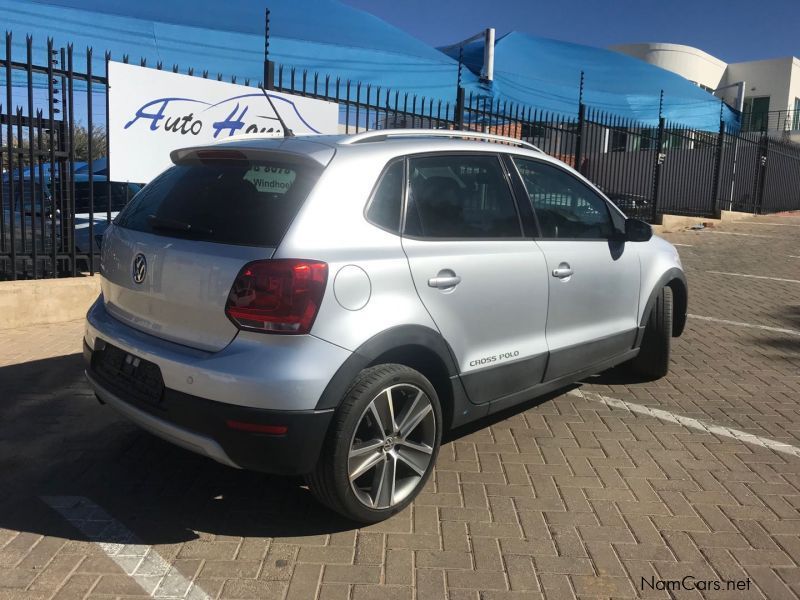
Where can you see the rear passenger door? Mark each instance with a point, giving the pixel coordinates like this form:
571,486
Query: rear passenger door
483,283
593,273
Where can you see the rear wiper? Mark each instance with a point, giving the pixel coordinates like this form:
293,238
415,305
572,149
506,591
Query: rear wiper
173,225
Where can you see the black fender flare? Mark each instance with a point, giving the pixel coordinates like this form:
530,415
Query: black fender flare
390,339
680,299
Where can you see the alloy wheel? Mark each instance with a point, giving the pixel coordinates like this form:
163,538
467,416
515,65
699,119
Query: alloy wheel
392,446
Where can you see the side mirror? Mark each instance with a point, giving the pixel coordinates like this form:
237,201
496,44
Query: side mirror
637,231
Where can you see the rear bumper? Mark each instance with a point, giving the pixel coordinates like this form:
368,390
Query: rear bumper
272,372
200,425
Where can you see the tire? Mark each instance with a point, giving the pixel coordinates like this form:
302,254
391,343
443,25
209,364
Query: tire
652,361
354,443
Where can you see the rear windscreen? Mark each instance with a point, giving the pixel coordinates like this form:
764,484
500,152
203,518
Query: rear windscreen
242,202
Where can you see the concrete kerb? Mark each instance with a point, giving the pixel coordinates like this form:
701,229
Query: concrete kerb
673,223
42,301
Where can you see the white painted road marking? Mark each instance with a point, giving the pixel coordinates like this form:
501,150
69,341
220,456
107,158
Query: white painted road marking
755,276
684,245
691,423
741,324
142,563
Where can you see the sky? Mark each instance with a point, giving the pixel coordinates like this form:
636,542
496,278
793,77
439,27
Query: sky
732,30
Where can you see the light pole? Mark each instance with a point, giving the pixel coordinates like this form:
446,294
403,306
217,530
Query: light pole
487,70
740,108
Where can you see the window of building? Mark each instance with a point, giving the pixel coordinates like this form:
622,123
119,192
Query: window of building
674,141
756,114
619,140
648,139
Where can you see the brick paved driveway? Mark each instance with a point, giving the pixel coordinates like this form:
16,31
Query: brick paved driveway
571,496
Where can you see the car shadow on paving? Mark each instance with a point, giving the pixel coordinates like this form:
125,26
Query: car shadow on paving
616,376
482,424
57,440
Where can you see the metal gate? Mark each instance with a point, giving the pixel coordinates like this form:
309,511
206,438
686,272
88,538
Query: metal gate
55,193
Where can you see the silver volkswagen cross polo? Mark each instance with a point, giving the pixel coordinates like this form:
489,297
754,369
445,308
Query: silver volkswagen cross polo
328,306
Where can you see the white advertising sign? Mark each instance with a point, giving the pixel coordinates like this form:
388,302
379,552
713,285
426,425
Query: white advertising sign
153,112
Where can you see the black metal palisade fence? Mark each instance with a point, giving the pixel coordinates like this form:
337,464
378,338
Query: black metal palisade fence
48,130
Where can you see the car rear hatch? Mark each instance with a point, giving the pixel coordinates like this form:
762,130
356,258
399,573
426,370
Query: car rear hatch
170,259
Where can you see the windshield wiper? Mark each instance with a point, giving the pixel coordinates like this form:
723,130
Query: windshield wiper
173,225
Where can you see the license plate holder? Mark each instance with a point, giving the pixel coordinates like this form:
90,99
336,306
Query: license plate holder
129,376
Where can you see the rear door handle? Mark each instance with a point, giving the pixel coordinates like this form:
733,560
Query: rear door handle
444,283
563,271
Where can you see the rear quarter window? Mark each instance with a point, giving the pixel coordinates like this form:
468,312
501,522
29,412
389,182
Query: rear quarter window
386,204
243,202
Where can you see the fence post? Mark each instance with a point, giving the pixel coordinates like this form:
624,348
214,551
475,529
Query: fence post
762,172
269,66
69,171
89,157
579,137
660,157
579,133
717,171
459,116
11,150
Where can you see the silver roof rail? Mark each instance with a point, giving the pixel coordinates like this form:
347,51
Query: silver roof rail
377,135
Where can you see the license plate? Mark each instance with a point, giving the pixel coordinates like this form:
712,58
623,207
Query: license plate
129,376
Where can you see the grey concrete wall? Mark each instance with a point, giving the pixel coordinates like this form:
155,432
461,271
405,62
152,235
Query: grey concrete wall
36,302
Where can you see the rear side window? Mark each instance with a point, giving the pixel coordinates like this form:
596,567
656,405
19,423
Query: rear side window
243,202
460,196
387,202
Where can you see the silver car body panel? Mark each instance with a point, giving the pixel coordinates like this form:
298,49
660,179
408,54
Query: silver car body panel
600,299
507,300
324,229
657,257
185,287
498,311
254,370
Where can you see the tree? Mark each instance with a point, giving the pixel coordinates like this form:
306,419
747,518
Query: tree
81,142
80,145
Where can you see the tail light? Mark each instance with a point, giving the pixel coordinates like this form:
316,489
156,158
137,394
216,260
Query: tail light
277,296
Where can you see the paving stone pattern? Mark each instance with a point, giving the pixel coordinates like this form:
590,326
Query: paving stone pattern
563,497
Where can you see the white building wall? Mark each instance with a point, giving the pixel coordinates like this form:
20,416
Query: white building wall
794,84
690,63
778,78
771,78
